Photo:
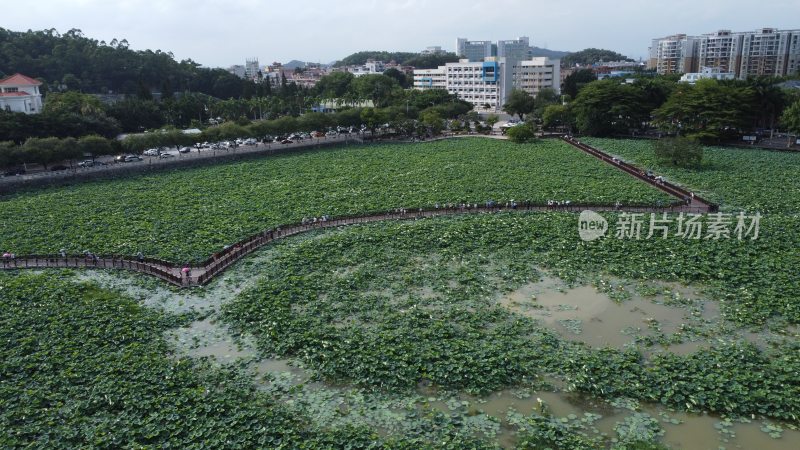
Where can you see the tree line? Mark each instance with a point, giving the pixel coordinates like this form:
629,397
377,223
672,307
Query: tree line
710,111
72,61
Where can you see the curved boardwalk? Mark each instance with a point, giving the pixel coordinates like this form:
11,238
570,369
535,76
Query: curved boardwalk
197,275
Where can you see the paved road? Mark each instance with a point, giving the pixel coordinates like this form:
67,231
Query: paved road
176,159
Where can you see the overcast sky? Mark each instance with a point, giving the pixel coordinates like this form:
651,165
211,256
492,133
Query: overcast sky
225,32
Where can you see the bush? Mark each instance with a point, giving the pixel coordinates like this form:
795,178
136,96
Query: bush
522,133
679,152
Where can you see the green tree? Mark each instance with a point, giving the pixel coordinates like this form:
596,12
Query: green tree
521,133
791,120
72,102
378,88
41,150
556,116
575,81
69,149
610,107
9,154
492,120
432,121
708,110
591,56
95,146
519,103
679,152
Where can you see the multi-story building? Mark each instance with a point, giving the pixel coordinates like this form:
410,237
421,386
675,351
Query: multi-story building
535,74
673,54
251,69
516,50
721,50
20,94
474,51
487,84
765,52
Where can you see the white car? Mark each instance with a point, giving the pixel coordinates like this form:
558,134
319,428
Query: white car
152,152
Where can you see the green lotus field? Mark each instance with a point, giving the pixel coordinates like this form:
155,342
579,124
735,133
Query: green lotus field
434,333
189,214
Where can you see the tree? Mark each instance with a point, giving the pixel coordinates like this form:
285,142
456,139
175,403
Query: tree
41,150
608,107
69,149
432,121
791,119
378,88
373,117
9,154
519,103
591,56
707,111
492,120
95,146
545,98
521,133
401,77
575,81
334,86
679,152
556,116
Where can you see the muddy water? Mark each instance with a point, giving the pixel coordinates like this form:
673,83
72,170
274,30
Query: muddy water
587,315
681,430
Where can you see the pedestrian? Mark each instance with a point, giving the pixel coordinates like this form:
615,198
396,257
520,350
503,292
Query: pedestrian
63,253
140,256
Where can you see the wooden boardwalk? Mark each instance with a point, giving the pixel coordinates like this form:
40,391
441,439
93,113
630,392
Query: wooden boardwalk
200,274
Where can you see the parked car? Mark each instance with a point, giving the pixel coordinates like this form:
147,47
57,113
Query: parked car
152,152
331,134
286,141
185,150
58,167
120,158
166,155
250,141
132,158
86,163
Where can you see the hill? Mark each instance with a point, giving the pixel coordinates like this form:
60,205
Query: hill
75,62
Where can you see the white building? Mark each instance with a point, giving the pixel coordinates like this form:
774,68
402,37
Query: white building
538,73
485,84
370,67
19,93
708,73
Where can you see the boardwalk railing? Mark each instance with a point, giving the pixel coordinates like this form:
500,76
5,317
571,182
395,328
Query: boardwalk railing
666,186
202,273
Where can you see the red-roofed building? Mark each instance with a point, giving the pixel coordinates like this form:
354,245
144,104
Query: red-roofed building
20,94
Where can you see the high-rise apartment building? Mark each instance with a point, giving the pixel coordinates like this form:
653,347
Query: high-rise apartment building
673,54
765,52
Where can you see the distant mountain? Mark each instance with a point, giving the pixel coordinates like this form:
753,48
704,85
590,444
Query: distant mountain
293,64
553,54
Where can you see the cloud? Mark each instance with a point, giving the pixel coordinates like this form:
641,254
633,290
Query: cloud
220,33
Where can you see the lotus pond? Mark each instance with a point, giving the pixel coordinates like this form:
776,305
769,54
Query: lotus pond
501,330
188,214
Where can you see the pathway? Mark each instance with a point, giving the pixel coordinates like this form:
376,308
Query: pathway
200,274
